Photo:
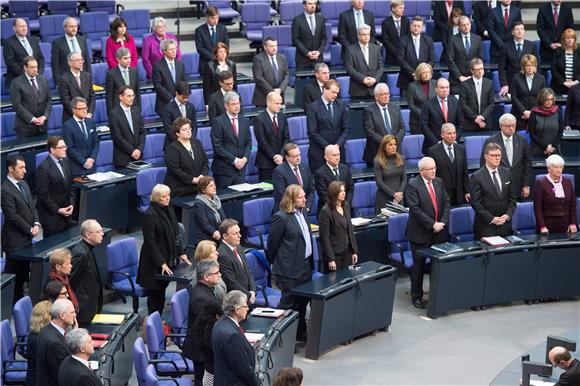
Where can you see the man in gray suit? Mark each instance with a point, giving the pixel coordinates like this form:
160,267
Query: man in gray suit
75,83
270,71
476,97
66,44
364,64
463,47
31,100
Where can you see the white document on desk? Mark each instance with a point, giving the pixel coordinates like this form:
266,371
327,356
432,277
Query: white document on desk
104,176
245,187
358,221
541,383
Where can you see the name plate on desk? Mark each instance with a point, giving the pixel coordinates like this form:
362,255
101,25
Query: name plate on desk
447,248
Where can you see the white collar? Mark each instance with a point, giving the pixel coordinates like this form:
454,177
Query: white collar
86,363
58,328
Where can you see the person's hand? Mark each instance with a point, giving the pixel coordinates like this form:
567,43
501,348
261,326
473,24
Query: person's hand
554,46
278,159
216,235
252,297
332,265
486,34
35,231
65,212
278,91
398,196
244,161
195,180
550,149
525,191
41,120
544,231
526,114
467,197
504,91
184,259
89,115
89,163
438,227
572,229
498,221
136,154
354,258
165,270
464,78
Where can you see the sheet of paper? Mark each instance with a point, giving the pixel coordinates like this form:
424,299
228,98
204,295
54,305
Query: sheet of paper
103,176
268,312
245,187
108,319
358,221
252,337
495,241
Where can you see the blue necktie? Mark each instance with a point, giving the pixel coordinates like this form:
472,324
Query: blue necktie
467,46
387,123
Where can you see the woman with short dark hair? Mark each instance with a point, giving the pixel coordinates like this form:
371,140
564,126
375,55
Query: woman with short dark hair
217,65
119,37
208,213
545,125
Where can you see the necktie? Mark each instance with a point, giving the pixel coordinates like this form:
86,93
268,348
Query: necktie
241,329
519,49
329,106
450,150
235,127
506,16
508,150
27,46
126,76
416,47
172,69
496,182
398,26
555,16
312,25
34,87
182,110
467,45
336,175
129,119
213,37
275,126
78,79
297,174
444,109
23,192
84,128
60,167
275,68
74,46
365,50
236,254
387,123
478,92
433,199
359,19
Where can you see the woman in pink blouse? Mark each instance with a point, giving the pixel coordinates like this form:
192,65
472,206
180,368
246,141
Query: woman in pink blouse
120,38
151,52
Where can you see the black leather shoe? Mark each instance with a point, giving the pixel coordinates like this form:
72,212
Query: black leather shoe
419,303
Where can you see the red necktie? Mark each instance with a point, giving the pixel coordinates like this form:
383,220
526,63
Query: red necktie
556,16
242,329
444,110
275,125
433,199
238,256
297,175
235,127
506,16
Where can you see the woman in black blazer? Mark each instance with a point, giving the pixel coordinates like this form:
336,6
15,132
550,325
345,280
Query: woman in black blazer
562,81
523,97
185,159
545,125
219,63
422,89
39,319
162,247
572,116
208,213
339,248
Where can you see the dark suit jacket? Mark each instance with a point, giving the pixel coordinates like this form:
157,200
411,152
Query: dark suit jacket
270,144
422,212
51,351
200,296
391,39
375,130
163,82
265,79
550,33
416,98
453,174
441,18
114,81
480,14
73,372
547,205
227,147
408,59
235,275
304,41
27,106
487,204
572,116
53,191
59,56
324,176
170,113
559,70
571,376
522,97
509,61
19,216
125,141
14,54
358,69
458,59
234,357
68,88
215,105
204,44
311,93
432,119
471,108
205,222
79,146
182,169
496,29
283,176
347,33
86,282
211,77
335,232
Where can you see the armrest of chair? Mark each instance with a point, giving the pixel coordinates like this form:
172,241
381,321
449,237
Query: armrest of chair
180,354
263,291
159,361
9,361
260,236
401,251
455,238
126,275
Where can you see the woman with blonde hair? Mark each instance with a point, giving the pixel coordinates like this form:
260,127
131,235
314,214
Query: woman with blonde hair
566,64
524,88
390,173
207,250
39,319
422,89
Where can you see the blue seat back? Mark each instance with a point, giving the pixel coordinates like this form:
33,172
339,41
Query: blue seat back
461,223
104,161
99,71
406,113
252,172
257,213
153,150
259,272
46,49
392,83
179,309
62,7
22,313
204,136
138,23
39,157
100,117
297,129
354,152
289,10
107,6
474,146
282,34
196,99
524,219
146,180
95,25
397,236
51,27
254,17
363,200
344,82
55,121
24,8
148,106
155,334
246,91
191,63
140,360
8,131
122,256
151,378
411,148
7,341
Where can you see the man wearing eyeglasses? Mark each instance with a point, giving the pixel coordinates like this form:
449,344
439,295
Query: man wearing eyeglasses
560,357
75,83
80,136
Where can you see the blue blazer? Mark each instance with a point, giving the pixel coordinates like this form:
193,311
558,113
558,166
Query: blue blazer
227,147
80,147
205,221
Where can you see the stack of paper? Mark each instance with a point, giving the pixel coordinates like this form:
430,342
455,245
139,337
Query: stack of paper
108,319
253,337
268,312
495,241
103,176
358,221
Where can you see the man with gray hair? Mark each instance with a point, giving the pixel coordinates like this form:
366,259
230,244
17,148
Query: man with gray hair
76,369
364,63
75,83
167,72
350,20
65,45
381,118
232,143
51,349
121,75
313,90
234,358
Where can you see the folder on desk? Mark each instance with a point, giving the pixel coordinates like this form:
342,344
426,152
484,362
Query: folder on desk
446,248
495,241
108,319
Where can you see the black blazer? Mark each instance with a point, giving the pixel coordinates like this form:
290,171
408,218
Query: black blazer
114,81
73,372
227,147
182,168
415,99
270,144
204,44
68,89
235,275
441,31
31,358
163,82
550,210
79,146
311,92
458,59
480,14
487,204
522,97
375,130
334,233
200,296
347,33
432,119
545,131
471,108
509,62
304,41
170,113
454,174
53,191
357,68
391,39
86,281
550,33
265,79
211,82
498,33
14,54
572,116
408,59
27,106
205,222
19,216
60,52
559,70
324,176
283,176
51,351
125,141
215,105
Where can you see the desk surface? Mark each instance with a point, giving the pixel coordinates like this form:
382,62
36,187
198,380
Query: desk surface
182,274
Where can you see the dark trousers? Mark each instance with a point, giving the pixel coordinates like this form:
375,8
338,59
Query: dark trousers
21,270
223,181
265,174
155,300
418,269
54,228
199,369
296,303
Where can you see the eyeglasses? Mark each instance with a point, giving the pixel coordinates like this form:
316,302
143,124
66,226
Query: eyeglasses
60,147
80,108
215,273
494,155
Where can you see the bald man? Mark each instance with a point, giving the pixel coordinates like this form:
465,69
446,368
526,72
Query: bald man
332,170
560,357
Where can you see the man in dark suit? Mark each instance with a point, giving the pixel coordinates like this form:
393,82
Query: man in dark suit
428,220
332,170
499,26
492,196
75,369
381,118
441,13
476,97
560,357
208,35
81,138
17,47
481,10
415,48
349,22
20,220
64,45
437,111
515,155
76,83
553,18
271,131
394,28
309,36
85,278
51,348
364,64
327,120
292,172
234,357
31,100
167,72
122,75
270,70
461,49
509,63
178,107
313,89
233,265
232,143
127,129
451,163
54,188
290,251
215,105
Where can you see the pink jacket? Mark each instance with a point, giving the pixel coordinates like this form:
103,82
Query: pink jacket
151,53
112,48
